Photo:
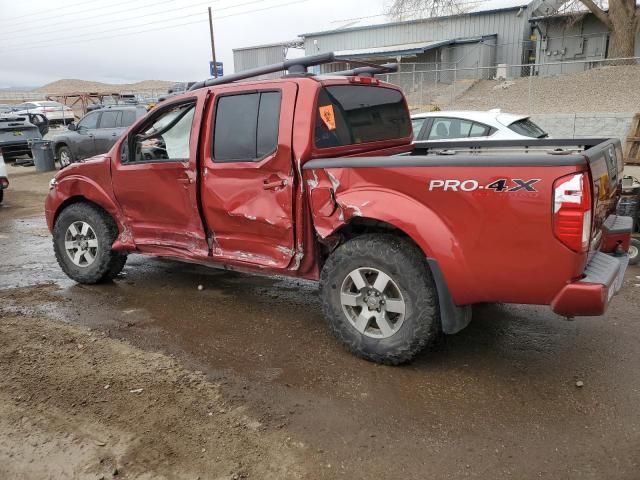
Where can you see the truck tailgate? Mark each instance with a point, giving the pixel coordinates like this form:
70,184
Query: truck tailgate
605,167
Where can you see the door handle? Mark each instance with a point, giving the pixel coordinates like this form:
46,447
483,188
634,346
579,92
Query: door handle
187,180
269,184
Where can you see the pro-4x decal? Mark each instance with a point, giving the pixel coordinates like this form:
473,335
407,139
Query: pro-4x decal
500,185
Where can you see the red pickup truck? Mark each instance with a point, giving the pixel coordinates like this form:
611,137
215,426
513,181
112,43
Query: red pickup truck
317,177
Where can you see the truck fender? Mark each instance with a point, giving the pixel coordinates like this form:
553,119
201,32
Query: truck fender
75,188
441,248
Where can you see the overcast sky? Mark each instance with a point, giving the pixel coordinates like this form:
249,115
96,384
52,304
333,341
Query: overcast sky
124,41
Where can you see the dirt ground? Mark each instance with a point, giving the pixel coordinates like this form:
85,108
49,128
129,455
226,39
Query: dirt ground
147,377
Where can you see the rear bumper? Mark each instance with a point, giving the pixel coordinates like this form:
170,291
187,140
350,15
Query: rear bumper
603,275
591,295
15,149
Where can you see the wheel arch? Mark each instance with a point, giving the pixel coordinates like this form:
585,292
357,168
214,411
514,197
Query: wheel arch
74,189
78,199
453,317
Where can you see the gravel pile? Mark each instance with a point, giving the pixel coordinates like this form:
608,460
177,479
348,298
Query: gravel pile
605,89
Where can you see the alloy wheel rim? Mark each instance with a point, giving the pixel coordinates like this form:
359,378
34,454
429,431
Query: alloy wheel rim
633,251
81,243
372,302
64,157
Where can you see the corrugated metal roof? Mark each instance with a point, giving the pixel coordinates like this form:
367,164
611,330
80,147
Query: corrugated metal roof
406,48
288,43
477,8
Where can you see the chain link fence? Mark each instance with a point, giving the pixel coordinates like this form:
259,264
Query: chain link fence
430,85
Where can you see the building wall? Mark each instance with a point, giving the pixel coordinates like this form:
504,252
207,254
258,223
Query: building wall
245,59
568,40
512,30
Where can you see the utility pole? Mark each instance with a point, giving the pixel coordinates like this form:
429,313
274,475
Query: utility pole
213,45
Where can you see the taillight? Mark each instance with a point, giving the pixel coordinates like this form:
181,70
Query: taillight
572,211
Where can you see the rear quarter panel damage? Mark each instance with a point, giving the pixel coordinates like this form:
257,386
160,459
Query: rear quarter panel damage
491,245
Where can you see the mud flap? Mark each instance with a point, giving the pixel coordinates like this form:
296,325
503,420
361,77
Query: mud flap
453,317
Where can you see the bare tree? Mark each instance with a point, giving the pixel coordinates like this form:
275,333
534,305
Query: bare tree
622,17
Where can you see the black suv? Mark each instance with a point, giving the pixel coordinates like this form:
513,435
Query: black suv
95,133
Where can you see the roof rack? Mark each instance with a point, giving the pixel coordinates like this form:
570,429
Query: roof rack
369,70
298,66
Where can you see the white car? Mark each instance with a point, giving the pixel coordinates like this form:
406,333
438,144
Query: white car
54,111
4,179
474,125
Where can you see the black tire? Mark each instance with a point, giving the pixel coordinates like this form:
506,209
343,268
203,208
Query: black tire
1,195
64,151
634,251
106,263
405,264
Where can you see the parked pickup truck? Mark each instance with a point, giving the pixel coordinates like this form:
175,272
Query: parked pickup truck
316,177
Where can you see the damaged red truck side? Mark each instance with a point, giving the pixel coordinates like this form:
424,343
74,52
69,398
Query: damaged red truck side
316,177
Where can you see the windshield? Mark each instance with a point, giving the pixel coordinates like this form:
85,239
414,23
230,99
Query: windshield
528,128
353,114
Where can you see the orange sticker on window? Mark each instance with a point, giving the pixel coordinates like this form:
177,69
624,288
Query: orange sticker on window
329,119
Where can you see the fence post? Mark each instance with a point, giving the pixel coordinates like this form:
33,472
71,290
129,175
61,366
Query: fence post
421,89
530,89
453,85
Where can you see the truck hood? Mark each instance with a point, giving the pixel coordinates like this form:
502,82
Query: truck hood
77,168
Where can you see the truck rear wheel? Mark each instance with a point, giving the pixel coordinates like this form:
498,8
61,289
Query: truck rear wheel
379,298
82,239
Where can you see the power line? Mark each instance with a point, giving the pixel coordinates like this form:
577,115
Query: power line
41,12
74,21
54,38
27,47
92,9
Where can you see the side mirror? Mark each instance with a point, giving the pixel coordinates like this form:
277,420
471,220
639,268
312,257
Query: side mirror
72,126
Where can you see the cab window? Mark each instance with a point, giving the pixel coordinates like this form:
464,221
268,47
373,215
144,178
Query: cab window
165,137
246,126
354,114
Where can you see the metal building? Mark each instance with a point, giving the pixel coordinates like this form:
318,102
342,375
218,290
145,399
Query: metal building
494,32
260,55
571,42
481,38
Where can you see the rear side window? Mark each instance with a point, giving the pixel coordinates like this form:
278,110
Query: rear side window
452,128
128,118
353,114
246,126
527,128
109,119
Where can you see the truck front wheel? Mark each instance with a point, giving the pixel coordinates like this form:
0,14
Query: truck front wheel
82,239
379,298
634,251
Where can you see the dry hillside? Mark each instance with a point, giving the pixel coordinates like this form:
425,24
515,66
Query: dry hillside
75,85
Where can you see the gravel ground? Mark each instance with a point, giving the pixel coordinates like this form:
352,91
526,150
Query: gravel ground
606,89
